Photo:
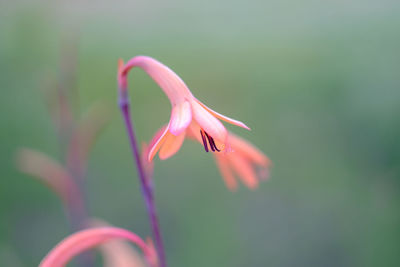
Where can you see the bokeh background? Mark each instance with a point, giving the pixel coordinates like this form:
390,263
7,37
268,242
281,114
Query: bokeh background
317,81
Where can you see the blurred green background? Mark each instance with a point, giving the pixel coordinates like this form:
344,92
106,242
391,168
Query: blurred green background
317,81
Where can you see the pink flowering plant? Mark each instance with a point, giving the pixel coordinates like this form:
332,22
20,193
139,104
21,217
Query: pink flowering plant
192,118
236,158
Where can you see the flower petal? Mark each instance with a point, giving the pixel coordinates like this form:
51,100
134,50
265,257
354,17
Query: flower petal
171,145
173,86
118,252
226,172
181,116
193,131
156,142
249,150
121,254
209,123
154,260
222,117
83,240
244,170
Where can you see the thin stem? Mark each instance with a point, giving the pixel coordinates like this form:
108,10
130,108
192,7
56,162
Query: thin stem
146,187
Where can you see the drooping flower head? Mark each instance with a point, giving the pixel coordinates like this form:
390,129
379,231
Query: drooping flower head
187,111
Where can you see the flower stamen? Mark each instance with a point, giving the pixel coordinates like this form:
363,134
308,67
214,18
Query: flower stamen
211,141
204,140
215,146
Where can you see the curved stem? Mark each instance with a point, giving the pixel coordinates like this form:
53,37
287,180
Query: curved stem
146,187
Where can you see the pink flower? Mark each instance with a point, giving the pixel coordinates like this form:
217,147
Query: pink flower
187,111
83,240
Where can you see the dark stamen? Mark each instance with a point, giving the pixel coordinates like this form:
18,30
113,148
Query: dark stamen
213,144
204,140
210,141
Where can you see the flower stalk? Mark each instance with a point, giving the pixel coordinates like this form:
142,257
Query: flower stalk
144,180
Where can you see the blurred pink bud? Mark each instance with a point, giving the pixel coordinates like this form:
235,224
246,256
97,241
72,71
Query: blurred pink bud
46,170
83,240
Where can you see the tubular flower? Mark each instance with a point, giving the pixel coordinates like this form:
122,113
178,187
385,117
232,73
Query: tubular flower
247,161
187,111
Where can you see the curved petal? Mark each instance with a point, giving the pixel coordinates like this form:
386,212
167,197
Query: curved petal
181,116
154,260
222,117
249,150
173,86
118,252
226,172
171,145
244,170
121,254
83,240
193,131
209,123
156,142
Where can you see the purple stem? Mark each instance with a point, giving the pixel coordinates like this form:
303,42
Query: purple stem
146,187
